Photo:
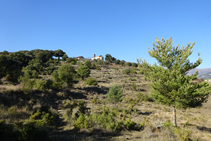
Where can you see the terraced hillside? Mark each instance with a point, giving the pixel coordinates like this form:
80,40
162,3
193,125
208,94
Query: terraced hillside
138,116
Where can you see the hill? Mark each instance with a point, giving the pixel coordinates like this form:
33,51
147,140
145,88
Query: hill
203,73
137,116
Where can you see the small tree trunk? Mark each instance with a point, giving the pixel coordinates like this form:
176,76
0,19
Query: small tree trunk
174,117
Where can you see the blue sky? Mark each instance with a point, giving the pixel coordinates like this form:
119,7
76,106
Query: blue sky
123,28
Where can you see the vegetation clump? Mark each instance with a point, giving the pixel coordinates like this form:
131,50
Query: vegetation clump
115,93
90,81
169,83
83,72
126,71
65,73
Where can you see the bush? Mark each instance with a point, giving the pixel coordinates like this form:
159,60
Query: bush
65,73
98,68
90,81
182,134
133,71
30,131
70,60
126,71
33,131
45,115
144,97
129,64
83,72
83,121
115,93
133,86
134,64
40,85
88,63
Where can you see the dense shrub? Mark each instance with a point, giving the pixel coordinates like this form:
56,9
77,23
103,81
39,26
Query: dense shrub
133,71
18,131
65,73
83,121
126,71
83,72
88,63
90,81
129,64
45,115
115,93
98,68
134,64
40,85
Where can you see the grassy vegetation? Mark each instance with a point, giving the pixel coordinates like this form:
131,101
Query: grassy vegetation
112,104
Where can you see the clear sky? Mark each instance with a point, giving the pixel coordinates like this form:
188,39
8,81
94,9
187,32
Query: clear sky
123,28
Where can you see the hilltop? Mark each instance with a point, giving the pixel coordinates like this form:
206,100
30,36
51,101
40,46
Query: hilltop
203,73
144,116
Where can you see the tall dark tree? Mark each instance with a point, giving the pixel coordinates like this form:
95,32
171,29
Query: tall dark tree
58,53
169,83
110,59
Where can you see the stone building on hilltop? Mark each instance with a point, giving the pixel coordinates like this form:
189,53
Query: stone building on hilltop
97,57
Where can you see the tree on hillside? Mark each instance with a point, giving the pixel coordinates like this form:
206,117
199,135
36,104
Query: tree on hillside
65,74
83,72
110,59
64,57
169,83
58,53
88,63
122,62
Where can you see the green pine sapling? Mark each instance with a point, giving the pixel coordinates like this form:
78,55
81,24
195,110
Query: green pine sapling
169,81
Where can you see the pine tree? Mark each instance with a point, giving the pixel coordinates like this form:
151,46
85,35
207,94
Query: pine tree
169,81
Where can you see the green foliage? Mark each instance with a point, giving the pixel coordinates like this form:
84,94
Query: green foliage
126,71
100,62
95,100
36,65
11,63
73,61
88,63
170,84
65,73
182,134
56,85
98,68
133,71
90,81
83,72
27,84
117,62
83,121
115,93
133,86
167,124
129,64
45,115
110,59
122,62
40,85
144,97
31,130
64,57
58,53
134,64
